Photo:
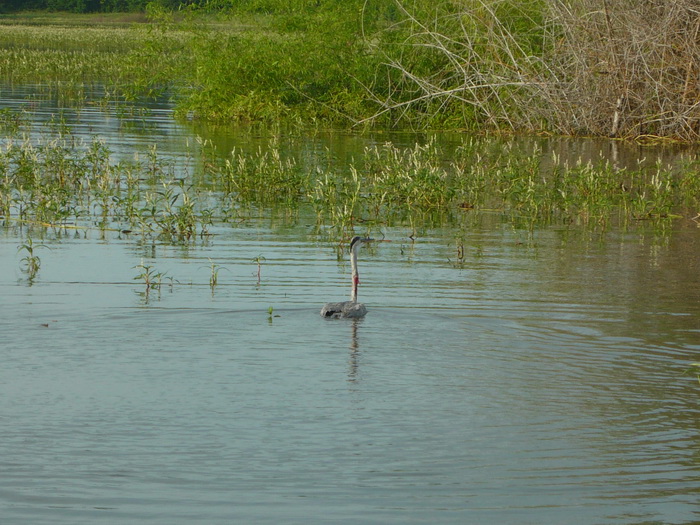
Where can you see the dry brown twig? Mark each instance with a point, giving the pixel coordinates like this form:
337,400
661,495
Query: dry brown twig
622,68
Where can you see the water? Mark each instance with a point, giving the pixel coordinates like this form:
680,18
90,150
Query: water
539,379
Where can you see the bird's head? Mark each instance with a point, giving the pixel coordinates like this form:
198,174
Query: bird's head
358,241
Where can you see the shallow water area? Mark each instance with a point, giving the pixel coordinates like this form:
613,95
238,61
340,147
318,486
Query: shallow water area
535,376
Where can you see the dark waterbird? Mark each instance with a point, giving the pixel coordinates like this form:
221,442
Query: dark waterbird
349,308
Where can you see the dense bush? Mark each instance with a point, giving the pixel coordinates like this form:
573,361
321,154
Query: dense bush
594,67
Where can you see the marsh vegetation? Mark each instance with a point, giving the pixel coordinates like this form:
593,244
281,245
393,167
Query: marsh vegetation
300,68
598,68
63,183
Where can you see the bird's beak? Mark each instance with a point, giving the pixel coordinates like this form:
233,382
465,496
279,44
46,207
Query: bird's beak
370,239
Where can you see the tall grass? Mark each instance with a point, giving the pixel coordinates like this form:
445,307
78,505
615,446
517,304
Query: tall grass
130,61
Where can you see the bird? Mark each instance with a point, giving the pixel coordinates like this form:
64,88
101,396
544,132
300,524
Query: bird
351,308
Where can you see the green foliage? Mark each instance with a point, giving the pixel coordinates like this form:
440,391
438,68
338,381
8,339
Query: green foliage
478,64
303,67
31,262
264,177
11,121
267,60
151,279
63,184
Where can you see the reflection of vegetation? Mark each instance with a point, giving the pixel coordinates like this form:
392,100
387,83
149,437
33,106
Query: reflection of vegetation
63,184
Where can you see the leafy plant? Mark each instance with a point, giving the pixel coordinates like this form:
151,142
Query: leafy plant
31,262
214,275
151,279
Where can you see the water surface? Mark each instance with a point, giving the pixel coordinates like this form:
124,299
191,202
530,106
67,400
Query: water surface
537,378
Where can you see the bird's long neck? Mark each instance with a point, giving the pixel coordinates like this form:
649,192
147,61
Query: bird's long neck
355,274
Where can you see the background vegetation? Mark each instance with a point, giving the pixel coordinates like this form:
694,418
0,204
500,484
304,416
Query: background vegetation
590,67
81,6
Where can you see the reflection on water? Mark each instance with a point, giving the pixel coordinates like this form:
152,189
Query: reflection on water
538,378
354,351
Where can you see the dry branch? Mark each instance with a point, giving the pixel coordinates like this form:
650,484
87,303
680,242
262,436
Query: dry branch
622,68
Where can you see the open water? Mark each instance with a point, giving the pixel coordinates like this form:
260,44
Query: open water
539,378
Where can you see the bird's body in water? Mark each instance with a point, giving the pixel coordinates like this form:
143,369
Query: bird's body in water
351,308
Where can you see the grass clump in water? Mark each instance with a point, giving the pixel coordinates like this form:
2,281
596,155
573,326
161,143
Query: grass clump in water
263,177
31,262
64,184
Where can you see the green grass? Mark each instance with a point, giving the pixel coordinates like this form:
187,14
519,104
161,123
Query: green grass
496,65
247,65
44,18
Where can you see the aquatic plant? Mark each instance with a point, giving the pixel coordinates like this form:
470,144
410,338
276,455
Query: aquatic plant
66,183
263,177
12,121
214,274
259,260
31,262
151,279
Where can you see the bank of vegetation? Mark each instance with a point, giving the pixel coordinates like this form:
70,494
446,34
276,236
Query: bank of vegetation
61,183
590,67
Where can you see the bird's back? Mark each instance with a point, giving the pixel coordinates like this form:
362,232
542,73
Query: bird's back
346,309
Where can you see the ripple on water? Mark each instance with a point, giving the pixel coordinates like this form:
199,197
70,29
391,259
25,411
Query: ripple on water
533,382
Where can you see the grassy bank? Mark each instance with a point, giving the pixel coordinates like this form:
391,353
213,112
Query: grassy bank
535,65
246,67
